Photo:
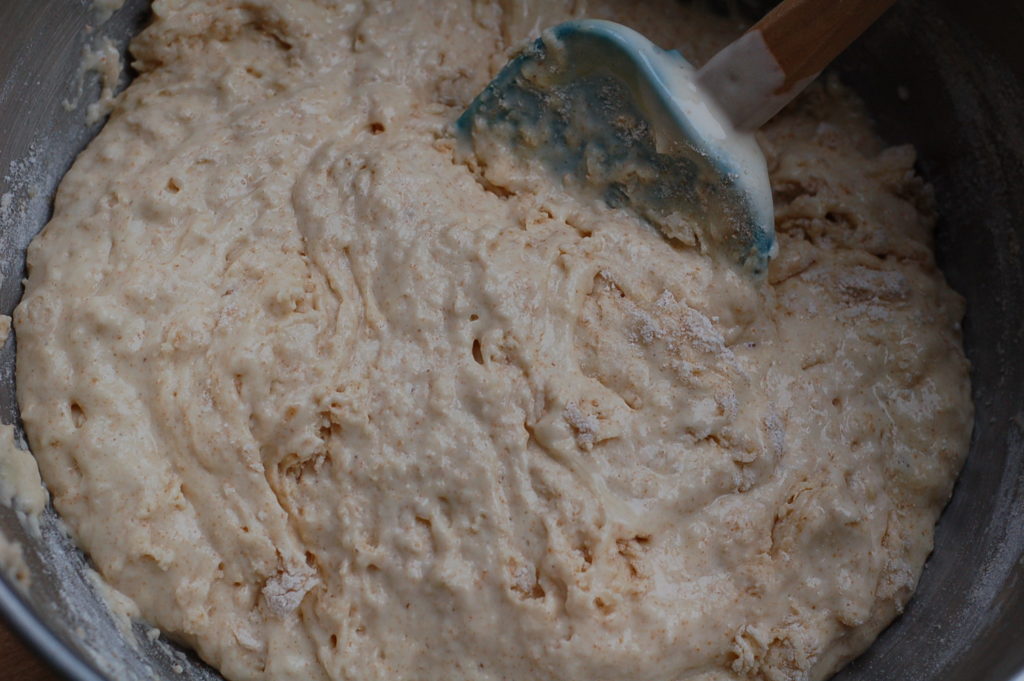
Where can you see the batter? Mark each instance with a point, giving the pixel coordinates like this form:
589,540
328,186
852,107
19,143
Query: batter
329,404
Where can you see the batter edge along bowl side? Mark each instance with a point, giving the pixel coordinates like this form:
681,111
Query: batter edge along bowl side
950,79
942,75
43,99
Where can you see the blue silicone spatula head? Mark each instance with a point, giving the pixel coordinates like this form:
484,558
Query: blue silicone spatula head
615,117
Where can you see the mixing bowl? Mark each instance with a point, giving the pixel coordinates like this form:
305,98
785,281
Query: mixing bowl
946,75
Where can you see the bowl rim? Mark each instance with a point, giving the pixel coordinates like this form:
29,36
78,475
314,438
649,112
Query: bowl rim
48,647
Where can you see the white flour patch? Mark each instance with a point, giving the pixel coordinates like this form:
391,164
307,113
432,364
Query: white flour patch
285,591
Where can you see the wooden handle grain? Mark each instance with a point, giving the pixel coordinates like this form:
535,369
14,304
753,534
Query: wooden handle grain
806,35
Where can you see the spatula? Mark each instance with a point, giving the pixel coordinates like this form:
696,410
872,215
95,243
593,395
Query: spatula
616,117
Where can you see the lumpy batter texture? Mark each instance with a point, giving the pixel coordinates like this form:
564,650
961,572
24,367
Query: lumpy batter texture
329,404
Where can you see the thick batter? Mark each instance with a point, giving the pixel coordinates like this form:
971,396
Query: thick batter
328,404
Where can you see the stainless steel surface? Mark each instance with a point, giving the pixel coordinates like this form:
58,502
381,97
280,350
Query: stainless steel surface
943,74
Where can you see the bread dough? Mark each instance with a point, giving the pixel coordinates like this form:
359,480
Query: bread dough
328,404
21,488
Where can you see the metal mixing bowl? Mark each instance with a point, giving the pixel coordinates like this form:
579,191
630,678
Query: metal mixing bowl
945,75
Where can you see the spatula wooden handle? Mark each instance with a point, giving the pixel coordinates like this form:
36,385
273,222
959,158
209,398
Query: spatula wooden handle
806,35
754,77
